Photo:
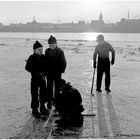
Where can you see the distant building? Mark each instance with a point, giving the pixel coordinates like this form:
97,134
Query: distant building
123,26
101,17
97,25
129,25
81,22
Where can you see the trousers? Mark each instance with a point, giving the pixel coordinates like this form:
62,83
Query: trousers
38,92
53,83
103,67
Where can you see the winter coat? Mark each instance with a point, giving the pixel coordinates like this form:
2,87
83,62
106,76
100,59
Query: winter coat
55,60
36,65
69,101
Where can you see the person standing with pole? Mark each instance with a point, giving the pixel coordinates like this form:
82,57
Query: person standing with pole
103,66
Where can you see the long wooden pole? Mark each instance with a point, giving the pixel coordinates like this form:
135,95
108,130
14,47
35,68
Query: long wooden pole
92,83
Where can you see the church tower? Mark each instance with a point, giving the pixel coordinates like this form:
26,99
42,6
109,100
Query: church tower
100,17
34,21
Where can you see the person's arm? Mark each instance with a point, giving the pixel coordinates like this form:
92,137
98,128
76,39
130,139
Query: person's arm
63,62
113,55
28,65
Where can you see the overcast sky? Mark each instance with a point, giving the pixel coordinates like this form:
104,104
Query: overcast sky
67,11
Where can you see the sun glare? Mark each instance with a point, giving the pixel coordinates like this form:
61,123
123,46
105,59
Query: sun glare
90,36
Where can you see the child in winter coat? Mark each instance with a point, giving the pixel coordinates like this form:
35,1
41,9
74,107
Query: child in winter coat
35,65
56,65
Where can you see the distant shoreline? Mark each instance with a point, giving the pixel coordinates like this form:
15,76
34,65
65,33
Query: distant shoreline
66,32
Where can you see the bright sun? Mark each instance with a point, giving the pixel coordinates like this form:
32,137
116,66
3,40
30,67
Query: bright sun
90,36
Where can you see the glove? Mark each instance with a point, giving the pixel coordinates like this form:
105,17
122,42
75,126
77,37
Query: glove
94,66
112,62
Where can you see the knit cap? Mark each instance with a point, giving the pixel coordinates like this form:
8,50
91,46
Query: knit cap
37,45
52,40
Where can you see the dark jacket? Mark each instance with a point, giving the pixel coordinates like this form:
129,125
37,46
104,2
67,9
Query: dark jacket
69,101
36,64
55,60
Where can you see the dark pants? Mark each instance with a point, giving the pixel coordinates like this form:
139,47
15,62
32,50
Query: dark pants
53,83
38,92
103,67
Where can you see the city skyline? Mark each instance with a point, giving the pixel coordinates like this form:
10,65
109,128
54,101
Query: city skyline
66,11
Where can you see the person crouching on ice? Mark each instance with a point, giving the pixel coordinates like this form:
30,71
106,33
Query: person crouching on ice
56,65
35,65
69,106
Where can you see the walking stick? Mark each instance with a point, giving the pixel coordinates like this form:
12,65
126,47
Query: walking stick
92,82
92,102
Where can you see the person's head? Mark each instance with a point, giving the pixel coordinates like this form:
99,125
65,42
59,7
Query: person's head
38,48
100,38
52,42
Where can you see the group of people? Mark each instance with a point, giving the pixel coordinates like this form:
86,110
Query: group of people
46,71
49,66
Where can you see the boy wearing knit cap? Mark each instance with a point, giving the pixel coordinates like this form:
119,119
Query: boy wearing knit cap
56,65
35,65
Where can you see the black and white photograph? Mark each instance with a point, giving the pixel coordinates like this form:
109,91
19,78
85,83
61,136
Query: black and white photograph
70,69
